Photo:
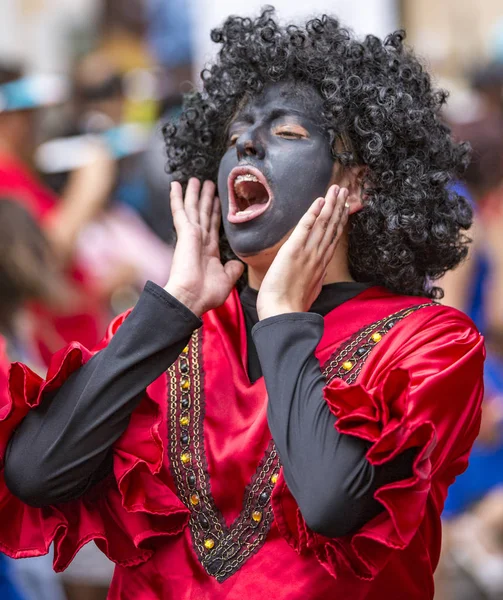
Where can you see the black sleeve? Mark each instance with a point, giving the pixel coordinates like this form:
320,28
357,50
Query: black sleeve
64,446
326,471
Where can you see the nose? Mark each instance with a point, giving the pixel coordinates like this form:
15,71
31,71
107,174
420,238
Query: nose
248,144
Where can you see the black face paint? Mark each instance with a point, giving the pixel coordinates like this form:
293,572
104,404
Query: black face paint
281,159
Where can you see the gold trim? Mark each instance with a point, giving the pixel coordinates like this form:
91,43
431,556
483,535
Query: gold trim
347,362
230,546
222,550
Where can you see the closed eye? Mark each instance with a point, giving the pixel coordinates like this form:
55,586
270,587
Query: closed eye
291,133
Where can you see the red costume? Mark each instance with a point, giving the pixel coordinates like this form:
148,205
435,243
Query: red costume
4,374
206,514
88,323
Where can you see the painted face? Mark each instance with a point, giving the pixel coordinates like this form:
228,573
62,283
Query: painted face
277,163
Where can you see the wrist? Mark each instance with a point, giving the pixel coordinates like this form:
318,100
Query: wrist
273,309
189,300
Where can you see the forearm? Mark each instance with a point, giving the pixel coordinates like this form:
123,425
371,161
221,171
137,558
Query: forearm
327,472
84,196
58,448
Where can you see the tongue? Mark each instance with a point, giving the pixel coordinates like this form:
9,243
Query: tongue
250,194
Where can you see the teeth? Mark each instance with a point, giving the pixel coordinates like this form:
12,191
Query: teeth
244,212
246,177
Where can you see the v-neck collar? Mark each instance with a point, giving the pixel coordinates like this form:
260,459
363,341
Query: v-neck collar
331,296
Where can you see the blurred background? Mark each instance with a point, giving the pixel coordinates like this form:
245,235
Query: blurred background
85,87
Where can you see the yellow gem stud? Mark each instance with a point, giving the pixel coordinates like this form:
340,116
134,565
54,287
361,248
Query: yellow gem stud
274,478
347,365
185,384
257,516
185,458
184,421
194,499
209,544
185,350
376,337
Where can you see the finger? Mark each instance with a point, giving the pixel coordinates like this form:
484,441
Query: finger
234,269
335,219
206,206
301,233
192,200
322,222
215,222
177,207
336,236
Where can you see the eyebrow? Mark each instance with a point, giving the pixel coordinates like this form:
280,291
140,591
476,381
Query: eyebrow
248,117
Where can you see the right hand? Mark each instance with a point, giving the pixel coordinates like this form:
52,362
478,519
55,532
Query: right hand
197,278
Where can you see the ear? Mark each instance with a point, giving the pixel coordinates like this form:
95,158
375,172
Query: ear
352,179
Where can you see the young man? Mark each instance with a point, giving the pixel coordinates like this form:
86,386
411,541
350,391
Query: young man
295,439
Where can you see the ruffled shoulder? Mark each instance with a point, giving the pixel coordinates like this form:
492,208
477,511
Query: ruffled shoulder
438,413
123,514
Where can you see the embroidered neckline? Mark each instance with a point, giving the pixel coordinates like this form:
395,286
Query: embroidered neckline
347,362
222,550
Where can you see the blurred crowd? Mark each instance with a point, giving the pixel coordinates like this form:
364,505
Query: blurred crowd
85,221
472,561
84,210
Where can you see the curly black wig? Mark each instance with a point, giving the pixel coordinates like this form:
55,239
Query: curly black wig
379,104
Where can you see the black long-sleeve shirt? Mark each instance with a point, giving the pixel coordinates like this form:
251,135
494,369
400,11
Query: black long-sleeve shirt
63,447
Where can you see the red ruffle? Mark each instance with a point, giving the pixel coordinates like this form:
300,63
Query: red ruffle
366,414
123,513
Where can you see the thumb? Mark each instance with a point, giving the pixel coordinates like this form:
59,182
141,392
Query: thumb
234,269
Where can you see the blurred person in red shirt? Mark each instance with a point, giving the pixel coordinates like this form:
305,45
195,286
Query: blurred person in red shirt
28,272
61,219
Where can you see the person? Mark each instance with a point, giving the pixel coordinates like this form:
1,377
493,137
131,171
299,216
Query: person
472,518
290,432
61,219
117,246
28,273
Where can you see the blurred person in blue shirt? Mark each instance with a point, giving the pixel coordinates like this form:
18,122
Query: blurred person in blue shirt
473,511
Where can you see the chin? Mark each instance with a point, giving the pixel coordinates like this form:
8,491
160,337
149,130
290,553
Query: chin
254,257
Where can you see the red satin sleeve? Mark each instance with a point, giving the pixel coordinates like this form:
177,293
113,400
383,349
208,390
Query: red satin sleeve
124,513
429,399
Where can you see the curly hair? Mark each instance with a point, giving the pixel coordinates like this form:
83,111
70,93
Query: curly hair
380,110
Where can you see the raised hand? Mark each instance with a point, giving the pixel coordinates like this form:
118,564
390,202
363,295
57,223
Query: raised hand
294,279
198,279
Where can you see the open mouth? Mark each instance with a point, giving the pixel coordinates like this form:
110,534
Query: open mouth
249,194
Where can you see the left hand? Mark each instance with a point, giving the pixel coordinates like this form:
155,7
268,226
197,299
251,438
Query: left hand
295,277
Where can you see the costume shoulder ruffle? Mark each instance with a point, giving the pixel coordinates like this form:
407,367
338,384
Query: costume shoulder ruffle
429,400
124,513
